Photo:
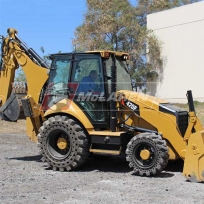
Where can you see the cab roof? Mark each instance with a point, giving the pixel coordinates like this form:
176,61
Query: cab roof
103,53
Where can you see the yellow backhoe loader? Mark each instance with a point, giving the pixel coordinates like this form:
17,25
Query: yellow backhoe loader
84,103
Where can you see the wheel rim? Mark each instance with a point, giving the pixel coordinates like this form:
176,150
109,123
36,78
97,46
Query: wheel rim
144,155
58,144
62,143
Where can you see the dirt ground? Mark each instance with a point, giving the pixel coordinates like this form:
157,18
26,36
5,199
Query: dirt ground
13,127
23,178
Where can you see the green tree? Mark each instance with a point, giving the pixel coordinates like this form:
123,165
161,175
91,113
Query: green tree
103,25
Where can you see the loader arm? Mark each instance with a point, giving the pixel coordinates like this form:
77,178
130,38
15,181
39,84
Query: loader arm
15,53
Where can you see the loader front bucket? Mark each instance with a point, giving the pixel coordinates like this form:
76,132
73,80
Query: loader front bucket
194,158
11,109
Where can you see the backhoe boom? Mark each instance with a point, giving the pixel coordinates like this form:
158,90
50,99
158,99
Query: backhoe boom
15,53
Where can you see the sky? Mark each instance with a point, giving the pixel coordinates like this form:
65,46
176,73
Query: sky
47,23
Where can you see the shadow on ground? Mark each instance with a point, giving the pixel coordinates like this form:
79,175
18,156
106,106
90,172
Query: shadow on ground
115,164
36,158
106,164
175,166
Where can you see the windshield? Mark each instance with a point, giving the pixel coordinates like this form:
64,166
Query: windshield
60,70
59,74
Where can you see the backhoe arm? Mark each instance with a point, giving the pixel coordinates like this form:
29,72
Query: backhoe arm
15,53
7,74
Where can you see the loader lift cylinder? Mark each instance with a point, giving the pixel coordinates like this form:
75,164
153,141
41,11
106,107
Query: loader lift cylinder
190,101
113,121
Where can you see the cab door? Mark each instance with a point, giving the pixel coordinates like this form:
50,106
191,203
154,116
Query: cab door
93,102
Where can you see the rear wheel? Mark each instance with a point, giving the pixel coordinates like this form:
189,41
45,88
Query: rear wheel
147,154
62,143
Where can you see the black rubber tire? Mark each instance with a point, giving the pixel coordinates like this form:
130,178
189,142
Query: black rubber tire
158,151
78,147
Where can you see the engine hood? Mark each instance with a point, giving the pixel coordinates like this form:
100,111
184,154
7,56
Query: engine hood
142,99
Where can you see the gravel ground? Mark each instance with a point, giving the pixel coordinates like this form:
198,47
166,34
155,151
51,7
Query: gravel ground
23,179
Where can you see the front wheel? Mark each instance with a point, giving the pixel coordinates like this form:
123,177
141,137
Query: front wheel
147,154
62,143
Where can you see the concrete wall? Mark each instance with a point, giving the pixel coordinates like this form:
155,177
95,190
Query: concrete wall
181,31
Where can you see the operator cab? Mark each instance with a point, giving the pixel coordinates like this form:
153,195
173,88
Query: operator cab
71,77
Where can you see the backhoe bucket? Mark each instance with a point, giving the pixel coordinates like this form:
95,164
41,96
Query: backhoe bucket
11,109
194,158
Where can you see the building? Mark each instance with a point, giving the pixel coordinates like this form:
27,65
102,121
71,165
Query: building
181,31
